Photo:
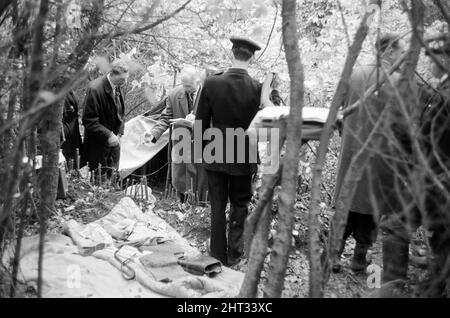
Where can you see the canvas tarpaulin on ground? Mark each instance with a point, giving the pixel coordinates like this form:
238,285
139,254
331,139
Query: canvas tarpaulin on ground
68,274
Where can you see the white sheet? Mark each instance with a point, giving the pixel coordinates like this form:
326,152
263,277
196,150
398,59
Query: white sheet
314,114
134,153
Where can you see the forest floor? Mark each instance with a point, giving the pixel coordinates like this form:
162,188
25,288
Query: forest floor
86,203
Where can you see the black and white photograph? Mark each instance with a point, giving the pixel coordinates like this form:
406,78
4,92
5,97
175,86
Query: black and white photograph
224,153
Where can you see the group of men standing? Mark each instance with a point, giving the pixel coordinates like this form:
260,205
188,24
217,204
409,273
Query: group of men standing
221,100
226,100
231,99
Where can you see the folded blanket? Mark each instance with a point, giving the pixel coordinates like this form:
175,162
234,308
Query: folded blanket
187,287
163,266
167,246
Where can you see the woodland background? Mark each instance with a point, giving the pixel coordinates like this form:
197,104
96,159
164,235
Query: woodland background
50,47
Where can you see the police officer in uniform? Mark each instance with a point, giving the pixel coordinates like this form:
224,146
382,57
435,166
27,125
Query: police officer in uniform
230,100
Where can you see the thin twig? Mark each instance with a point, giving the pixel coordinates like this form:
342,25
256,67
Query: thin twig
270,34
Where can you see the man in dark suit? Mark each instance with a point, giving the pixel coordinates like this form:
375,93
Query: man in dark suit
230,101
103,118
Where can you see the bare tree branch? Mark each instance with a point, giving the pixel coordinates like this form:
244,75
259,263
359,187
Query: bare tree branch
283,240
344,23
316,278
444,10
37,66
4,5
147,27
270,34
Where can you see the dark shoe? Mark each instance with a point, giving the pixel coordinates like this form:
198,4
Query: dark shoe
337,265
234,258
233,261
359,262
392,289
182,197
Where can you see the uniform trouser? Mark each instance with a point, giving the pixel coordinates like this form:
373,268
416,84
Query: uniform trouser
238,189
363,227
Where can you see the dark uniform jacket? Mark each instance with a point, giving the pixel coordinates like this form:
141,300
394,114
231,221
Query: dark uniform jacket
230,100
101,117
71,129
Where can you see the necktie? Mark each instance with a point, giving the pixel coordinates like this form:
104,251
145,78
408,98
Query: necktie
190,99
117,98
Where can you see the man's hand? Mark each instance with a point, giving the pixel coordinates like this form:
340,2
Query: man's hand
182,122
190,117
148,138
275,81
113,141
339,124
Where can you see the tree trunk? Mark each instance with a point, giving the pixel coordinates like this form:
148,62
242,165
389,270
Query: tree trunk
14,144
256,229
2,140
51,123
47,190
13,172
23,220
4,5
283,239
80,56
258,253
18,50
